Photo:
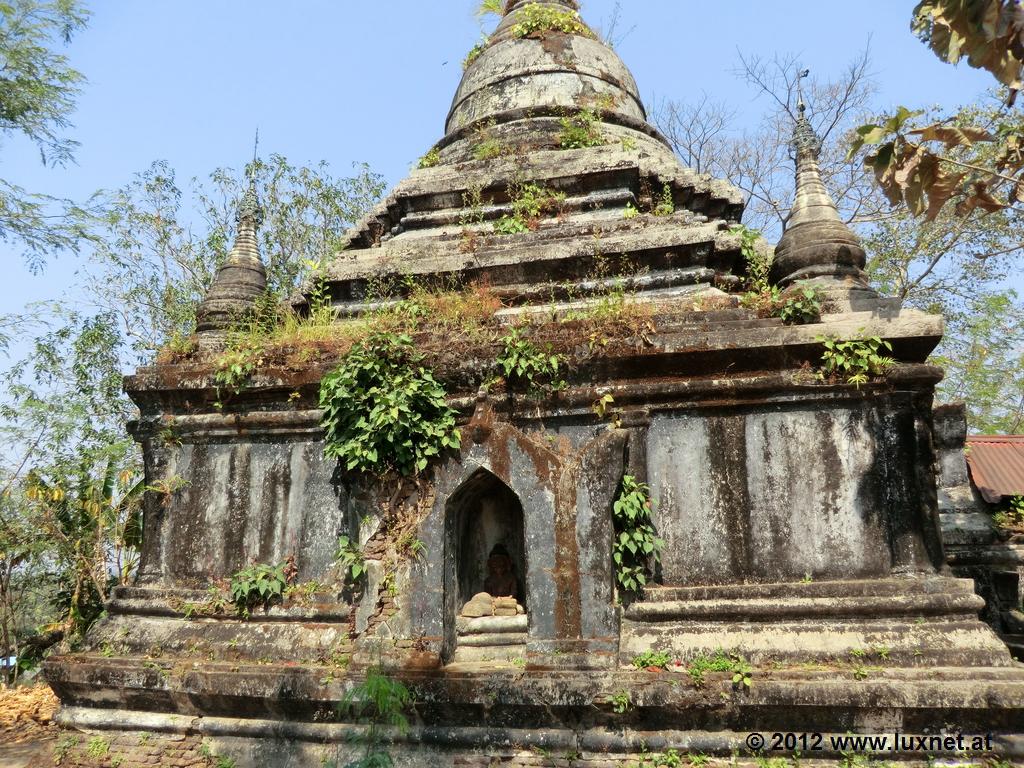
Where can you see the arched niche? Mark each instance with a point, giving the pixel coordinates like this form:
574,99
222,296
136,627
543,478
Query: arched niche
481,515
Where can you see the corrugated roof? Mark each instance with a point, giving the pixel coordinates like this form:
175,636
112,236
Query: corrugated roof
996,463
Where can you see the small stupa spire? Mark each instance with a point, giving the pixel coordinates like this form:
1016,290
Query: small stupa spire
242,277
817,245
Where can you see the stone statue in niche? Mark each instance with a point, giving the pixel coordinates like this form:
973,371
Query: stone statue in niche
501,579
501,595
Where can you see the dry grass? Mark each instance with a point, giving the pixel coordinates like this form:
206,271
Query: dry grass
26,714
457,332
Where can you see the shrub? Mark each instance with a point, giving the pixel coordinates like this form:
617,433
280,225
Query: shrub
758,262
351,559
1011,518
382,411
651,659
260,584
429,160
529,203
474,53
666,205
488,149
803,307
379,703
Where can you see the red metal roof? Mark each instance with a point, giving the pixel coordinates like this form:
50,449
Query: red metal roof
996,463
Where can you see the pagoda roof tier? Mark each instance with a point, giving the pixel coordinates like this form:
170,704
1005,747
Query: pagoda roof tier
548,164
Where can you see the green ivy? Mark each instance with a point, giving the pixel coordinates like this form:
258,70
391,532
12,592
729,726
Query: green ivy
526,366
383,411
854,360
258,584
636,547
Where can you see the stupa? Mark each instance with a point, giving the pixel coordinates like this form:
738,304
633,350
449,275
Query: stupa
801,588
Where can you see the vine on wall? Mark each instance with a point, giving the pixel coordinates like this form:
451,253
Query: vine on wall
636,548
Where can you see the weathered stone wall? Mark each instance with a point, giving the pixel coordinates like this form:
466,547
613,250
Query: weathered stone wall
239,501
790,491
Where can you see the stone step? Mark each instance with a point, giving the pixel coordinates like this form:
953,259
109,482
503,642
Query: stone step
757,609
492,640
789,589
491,625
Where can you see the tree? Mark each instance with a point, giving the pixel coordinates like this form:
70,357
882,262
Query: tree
990,33
953,264
975,166
758,161
70,491
38,88
150,268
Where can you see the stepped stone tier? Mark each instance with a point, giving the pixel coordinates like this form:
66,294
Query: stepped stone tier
799,515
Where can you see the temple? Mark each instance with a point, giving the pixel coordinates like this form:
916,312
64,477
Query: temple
802,585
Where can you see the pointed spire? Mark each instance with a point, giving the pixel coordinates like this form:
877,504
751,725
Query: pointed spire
240,280
817,245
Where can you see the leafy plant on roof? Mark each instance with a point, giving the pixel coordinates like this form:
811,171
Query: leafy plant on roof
652,659
636,548
383,411
429,160
535,20
581,130
474,52
804,306
486,145
666,205
854,361
529,203
526,366
720,661
758,262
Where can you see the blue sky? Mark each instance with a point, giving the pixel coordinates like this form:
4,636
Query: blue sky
344,81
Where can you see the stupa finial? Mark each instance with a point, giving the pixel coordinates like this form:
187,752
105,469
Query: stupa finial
817,245
242,277
805,139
